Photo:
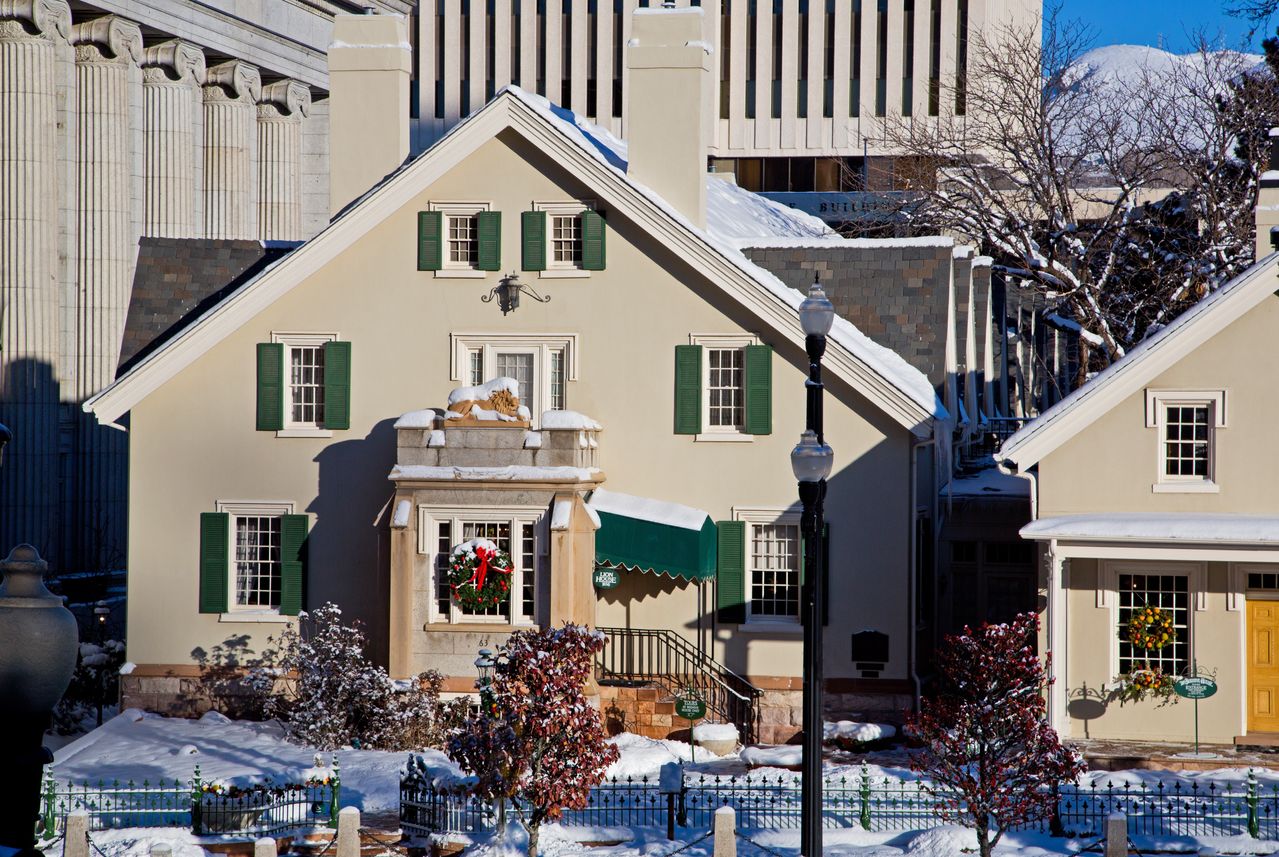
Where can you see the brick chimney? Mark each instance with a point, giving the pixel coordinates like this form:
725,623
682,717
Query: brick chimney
668,107
1267,216
369,64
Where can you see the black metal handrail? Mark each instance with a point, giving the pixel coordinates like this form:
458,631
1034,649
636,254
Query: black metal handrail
666,659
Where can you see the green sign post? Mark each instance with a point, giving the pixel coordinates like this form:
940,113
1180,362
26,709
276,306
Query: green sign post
690,705
605,578
1195,687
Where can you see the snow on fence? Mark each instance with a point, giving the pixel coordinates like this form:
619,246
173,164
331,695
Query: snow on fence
205,807
1172,807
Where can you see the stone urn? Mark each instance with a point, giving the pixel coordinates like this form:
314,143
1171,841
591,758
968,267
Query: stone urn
39,640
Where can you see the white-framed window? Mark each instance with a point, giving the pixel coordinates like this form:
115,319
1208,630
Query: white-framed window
255,579
1168,590
519,532
564,237
1187,423
724,385
543,363
773,558
304,383
460,255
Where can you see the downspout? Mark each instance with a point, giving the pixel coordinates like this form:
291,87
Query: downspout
911,597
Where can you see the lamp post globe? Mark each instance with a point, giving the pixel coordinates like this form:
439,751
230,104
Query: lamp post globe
811,460
39,641
816,312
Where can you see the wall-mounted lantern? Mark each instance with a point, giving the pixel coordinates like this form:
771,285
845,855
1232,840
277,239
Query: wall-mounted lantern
507,292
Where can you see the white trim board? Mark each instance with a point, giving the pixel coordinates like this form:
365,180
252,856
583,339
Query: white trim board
750,286
1142,365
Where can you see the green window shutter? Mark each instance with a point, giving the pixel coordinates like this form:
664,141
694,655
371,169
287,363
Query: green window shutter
215,545
430,240
270,386
592,241
688,389
759,389
730,578
488,231
533,244
337,385
293,531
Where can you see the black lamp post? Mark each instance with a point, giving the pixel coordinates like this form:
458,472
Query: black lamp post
38,643
811,462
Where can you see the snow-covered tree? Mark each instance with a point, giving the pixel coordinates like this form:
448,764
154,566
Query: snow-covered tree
536,739
989,757
96,680
1058,167
334,696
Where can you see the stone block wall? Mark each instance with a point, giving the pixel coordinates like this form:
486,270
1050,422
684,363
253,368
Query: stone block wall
894,294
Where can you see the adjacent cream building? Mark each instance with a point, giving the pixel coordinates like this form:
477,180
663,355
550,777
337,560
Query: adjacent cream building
1154,484
288,447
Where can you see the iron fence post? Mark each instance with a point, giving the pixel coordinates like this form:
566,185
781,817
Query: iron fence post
335,794
864,794
1254,824
50,799
197,802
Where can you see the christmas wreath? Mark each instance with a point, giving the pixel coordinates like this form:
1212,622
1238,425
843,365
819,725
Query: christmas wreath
479,575
1150,628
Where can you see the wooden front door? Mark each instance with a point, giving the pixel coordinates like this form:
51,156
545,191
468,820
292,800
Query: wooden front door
1263,666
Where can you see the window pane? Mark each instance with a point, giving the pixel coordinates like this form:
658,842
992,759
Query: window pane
1186,430
520,367
775,570
528,571
1169,592
257,561
566,240
557,381
463,247
444,547
306,384
477,366
725,391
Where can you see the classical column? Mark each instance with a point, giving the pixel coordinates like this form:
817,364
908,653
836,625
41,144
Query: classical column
231,92
29,290
171,74
284,105
107,52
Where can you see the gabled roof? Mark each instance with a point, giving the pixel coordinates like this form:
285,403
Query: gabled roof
887,380
1143,364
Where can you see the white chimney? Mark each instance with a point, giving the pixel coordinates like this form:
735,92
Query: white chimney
667,113
1267,214
369,64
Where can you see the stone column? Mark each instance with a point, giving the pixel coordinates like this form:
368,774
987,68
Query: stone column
30,31
284,105
231,93
171,74
107,52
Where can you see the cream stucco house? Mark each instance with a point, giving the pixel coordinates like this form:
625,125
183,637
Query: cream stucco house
287,446
1155,484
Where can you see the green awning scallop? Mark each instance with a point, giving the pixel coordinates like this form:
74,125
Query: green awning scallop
655,536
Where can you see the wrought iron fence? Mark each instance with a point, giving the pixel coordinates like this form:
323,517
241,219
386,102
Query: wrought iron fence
204,807
1173,807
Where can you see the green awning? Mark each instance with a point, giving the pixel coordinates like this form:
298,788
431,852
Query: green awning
653,535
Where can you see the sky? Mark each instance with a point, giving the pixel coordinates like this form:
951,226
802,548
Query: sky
1160,23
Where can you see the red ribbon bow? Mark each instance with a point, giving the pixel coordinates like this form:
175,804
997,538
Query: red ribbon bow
483,554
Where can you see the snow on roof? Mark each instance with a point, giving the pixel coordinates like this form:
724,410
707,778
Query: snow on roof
610,150
512,473
987,483
645,509
1156,527
1127,371
834,240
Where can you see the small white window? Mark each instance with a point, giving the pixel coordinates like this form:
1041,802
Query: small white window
563,237
772,565
461,250
516,532
304,373
255,580
542,363
1187,424
723,385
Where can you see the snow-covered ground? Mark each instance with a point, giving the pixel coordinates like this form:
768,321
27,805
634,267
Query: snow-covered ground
142,746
